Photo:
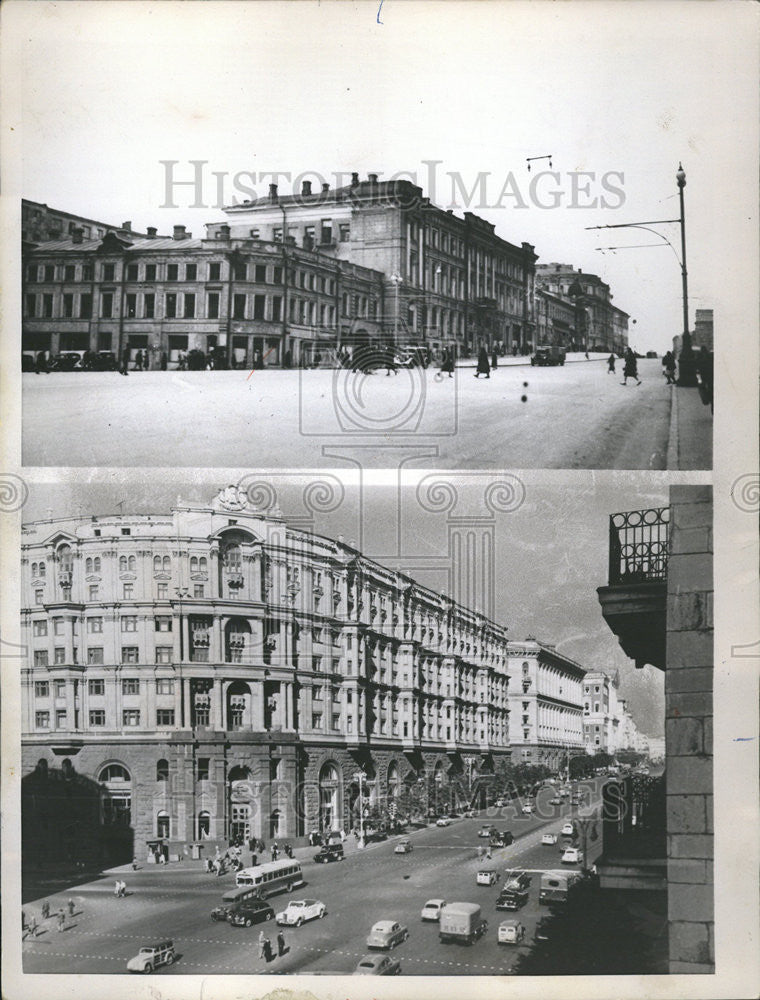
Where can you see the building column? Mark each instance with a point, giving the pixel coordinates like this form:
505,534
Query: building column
216,653
220,687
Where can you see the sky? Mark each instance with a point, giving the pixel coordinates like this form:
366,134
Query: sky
102,95
550,552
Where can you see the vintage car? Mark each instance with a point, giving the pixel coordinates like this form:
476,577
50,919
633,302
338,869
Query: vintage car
377,965
548,355
403,846
386,934
549,839
330,852
432,909
487,876
152,955
298,911
572,856
510,932
252,911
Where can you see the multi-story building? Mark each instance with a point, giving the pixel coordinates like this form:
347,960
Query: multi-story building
598,325
450,281
41,224
243,301
213,673
545,704
658,829
555,319
598,725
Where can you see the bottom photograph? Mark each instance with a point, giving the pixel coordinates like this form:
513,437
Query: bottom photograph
438,727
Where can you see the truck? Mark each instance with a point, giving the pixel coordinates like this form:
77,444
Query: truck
461,922
547,355
555,886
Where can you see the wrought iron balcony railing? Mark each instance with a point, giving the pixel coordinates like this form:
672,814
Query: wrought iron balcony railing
639,545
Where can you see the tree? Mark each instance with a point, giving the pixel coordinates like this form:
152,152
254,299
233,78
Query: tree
595,933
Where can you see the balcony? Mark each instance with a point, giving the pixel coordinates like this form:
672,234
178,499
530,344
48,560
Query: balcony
634,835
634,601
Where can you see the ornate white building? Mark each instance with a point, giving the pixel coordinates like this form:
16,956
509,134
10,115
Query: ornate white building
214,673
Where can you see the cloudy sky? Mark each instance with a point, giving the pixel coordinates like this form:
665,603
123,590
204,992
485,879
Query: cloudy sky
550,543
101,94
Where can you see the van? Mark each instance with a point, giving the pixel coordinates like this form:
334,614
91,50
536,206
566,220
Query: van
555,886
461,922
232,899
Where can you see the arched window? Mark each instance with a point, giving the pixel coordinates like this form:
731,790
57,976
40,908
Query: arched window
193,564
330,806
233,559
65,559
162,770
204,825
163,825
156,564
96,564
67,768
132,563
202,564
117,795
122,564
88,565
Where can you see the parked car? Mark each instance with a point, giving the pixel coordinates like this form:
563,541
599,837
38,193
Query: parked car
28,363
103,361
487,876
403,846
501,838
548,839
568,830
374,836
67,361
152,955
330,852
252,911
443,821
377,965
386,934
572,856
486,830
548,355
432,909
510,932
298,911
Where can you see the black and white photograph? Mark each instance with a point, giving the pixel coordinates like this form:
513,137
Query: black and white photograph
379,498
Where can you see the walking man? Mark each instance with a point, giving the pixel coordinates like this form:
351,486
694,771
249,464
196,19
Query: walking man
71,907
32,925
483,366
124,361
281,948
45,910
61,920
262,945
611,364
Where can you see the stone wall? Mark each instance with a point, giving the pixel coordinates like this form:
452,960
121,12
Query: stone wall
688,698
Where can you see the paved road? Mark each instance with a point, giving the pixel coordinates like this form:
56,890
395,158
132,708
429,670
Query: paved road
367,886
521,417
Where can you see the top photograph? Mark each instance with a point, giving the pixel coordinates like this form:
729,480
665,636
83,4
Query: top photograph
511,268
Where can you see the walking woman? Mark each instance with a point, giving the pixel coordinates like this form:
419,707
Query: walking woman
611,364
483,366
630,368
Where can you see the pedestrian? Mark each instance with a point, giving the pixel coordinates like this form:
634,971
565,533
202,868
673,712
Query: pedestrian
61,920
262,945
488,853
134,864
669,368
23,922
281,946
587,357
45,910
138,362
483,366
124,361
70,905
390,361
164,361
289,850
447,362
122,888
32,925
611,364
117,888
41,364
705,369
494,359
630,367
268,953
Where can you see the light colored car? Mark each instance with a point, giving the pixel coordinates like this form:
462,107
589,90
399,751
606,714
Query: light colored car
485,831
443,821
152,955
487,876
510,932
572,856
298,911
555,801
377,965
469,814
568,830
527,809
403,846
386,934
549,839
432,909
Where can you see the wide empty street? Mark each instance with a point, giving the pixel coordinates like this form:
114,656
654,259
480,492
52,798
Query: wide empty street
576,416
368,886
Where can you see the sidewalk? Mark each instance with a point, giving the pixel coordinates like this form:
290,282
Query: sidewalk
691,428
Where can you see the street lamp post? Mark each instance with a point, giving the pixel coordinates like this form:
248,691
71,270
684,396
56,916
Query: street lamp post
397,280
686,367
359,776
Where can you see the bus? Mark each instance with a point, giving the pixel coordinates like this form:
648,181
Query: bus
272,877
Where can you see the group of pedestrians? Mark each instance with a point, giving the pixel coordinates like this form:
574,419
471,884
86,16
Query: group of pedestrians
265,946
119,888
31,927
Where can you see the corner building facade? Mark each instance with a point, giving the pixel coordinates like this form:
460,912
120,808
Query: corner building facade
214,673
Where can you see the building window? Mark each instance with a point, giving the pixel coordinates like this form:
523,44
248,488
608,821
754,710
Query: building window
326,231
150,272
85,306
87,272
215,270
191,271
68,305
212,310
171,305
95,625
106,305
131,272
39,628
189,306
316,720
40,657
165,685
202,766
344,232
42,720
172,272
238,309
131,305
60,718
39,597
164,716
96,687
59,655
163,623
259,306
130,654
97,717
92,592
41,689
277,234
198,590
162,591
108,272
260,274
129,623
149,305
240,271
130,685
163,654
130,718
31,305
162,769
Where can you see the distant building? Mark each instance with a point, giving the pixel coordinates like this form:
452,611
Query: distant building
41,224
545,704
701,335
598,325
597,715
